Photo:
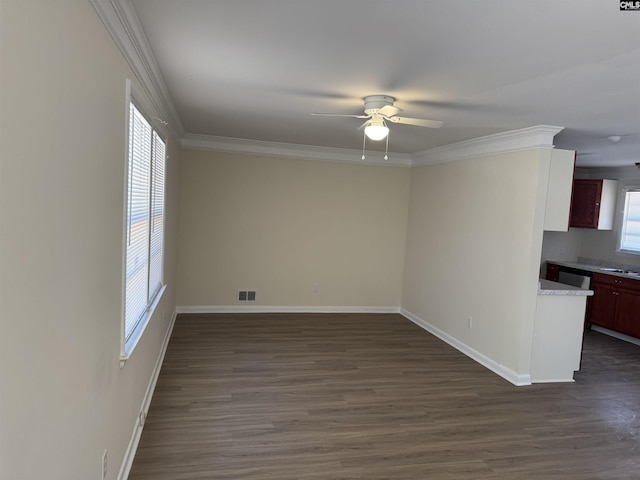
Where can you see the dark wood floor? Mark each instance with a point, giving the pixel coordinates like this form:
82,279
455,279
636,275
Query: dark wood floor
318,397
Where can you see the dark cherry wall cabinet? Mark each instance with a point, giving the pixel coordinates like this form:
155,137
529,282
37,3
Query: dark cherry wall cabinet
593,204
585,203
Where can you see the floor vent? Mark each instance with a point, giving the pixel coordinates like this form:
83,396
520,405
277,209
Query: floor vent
246,295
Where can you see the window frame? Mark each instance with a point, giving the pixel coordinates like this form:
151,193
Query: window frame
622,215
129,340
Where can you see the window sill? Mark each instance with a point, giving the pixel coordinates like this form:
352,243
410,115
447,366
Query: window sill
628,253
130,345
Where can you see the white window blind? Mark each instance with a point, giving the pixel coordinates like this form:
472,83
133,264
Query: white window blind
630,233
145,220
156,236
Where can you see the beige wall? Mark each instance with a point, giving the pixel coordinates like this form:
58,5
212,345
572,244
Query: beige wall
564,246
473,249
63,396
282,225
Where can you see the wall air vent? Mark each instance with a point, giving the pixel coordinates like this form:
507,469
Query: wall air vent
246,295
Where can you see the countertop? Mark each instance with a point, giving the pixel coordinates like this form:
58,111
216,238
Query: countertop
607,269
547,287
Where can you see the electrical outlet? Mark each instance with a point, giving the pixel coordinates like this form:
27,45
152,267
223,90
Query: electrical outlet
104,465
316,287
142,417
469,321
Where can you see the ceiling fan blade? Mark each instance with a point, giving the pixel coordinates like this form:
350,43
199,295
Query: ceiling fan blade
340,115
390,110
420,122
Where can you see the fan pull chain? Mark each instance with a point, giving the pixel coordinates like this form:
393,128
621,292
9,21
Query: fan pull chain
386,149
364,142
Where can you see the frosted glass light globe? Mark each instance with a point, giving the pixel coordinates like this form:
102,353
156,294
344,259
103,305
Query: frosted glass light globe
376,132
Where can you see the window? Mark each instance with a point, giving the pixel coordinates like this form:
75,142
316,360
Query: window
630,225
144,240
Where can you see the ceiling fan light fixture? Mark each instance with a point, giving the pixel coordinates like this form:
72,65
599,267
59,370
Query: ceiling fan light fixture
378,109
376,130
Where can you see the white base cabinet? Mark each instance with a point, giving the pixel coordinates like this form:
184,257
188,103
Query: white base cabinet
557,338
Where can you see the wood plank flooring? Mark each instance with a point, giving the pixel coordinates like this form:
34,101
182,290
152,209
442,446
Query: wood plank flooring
318,397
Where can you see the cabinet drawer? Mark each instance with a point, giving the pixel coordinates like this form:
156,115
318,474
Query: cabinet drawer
603,279
615,281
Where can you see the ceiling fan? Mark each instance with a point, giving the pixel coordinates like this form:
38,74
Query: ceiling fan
378,109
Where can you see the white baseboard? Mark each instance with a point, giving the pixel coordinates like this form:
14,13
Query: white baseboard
130,453
619,336
506,373
282,309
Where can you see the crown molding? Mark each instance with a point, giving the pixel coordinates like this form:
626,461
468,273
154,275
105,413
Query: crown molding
121,21
287,150
540,136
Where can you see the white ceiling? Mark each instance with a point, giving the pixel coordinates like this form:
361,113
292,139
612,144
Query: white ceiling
252,69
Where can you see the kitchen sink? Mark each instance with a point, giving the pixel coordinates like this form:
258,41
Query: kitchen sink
620,270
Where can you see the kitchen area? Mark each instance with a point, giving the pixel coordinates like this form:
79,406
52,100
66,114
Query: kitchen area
589,272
